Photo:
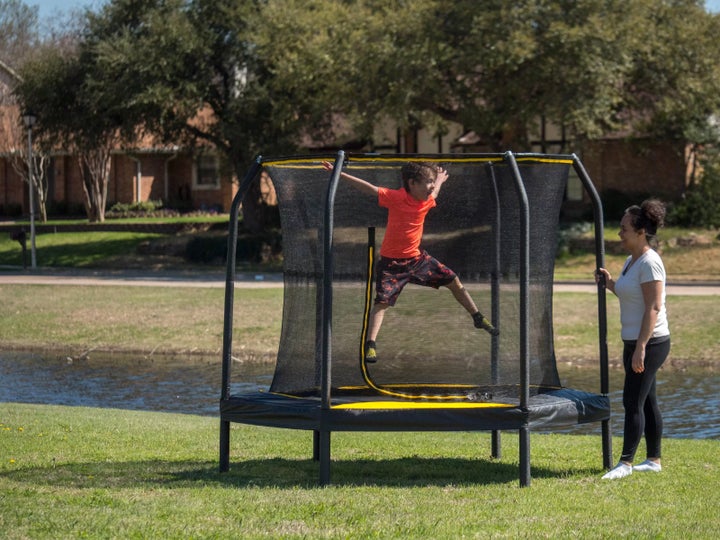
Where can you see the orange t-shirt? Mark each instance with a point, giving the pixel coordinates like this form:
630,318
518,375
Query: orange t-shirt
406,217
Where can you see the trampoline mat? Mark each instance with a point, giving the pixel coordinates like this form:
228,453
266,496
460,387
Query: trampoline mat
358,409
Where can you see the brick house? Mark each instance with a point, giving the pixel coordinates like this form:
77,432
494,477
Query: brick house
181,179
621,166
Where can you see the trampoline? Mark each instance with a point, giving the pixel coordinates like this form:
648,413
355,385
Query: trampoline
496,225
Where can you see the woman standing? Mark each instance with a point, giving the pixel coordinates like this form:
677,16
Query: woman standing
645,334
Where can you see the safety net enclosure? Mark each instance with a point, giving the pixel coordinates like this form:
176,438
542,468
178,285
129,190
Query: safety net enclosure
496,225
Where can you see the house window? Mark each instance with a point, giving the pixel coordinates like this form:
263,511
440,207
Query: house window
207,172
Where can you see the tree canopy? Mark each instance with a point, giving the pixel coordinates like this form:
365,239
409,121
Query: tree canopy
271,74
273,70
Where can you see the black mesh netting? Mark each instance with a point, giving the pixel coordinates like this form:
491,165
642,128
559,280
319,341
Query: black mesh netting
427,340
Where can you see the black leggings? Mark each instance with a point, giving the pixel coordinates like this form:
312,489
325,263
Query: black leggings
642,414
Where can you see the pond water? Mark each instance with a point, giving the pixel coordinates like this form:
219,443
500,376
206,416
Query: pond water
689,399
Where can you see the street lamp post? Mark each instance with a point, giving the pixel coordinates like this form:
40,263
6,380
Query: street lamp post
29,120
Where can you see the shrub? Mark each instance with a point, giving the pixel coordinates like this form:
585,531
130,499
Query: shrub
615,202
142,207
11,210
251,248
65,209
700,205
568,236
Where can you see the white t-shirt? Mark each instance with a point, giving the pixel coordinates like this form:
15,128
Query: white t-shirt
649,267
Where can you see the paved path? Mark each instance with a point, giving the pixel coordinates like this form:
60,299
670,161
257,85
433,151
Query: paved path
672,289
132,278
217,279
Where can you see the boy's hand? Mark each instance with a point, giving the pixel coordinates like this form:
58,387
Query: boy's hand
327,165
441,177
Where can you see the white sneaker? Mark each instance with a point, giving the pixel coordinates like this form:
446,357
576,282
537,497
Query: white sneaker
619,471
648,466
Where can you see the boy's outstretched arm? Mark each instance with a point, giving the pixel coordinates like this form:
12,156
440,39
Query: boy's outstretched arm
358,183
440,179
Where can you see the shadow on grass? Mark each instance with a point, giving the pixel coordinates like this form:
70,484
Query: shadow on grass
278,472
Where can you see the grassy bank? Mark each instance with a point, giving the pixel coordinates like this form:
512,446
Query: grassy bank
689,254
104,473
75,320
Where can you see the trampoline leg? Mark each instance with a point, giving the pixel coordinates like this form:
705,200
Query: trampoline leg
224,446
524,457
496,448
607,444
316,445
324,450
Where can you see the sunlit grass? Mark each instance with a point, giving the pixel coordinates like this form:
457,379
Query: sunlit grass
74,249
139,319
104,473
184,319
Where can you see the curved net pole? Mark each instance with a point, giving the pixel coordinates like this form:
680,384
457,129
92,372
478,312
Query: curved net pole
602,302
524,316
323,436
229,302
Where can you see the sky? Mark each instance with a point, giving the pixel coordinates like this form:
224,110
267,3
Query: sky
50,7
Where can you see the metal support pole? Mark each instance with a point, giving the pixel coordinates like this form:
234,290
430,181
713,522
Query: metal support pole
602,303
229,310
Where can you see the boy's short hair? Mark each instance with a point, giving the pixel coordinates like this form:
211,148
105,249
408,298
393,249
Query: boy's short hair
419,170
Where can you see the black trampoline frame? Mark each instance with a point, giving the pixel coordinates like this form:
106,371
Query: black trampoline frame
319,416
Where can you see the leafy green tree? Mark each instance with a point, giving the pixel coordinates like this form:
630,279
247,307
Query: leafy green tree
594,67
160,63
700,204
674,86
57,86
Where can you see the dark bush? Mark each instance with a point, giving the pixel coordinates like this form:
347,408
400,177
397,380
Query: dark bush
65,209
251,248
700,205
10,210
616,202
140,209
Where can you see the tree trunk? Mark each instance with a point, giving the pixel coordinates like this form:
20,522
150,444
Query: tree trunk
95,166
39,179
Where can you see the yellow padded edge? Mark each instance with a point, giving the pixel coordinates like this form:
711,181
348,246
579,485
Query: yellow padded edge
419,405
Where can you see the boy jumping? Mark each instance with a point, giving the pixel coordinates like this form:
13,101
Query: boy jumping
401,260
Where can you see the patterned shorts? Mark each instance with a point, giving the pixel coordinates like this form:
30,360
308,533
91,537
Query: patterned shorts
394,274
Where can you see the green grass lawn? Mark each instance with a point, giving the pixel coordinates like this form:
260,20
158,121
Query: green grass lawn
73,472
104,473
75,250
118,250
